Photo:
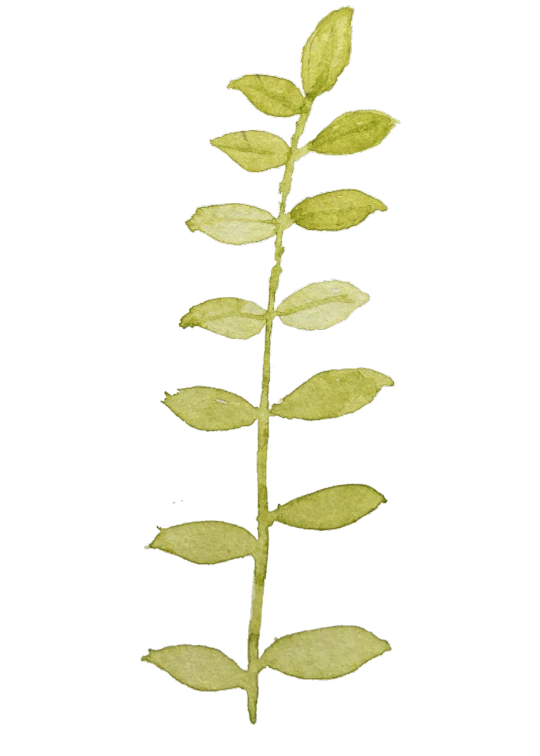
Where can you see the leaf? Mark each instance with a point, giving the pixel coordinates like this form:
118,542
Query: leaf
254,150
227,316
321,305
205,542
233,224
211,409
329,508
199,667
270,94
334,211
327,52
353,132
323,654
332,394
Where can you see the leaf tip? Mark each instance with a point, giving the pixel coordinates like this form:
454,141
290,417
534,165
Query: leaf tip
387,646
191,224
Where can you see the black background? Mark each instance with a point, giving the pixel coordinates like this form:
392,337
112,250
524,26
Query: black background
439,545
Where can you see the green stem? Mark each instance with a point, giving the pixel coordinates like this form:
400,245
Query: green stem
263,518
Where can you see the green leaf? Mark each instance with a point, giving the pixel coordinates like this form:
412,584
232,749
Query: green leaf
199,667
329,508
270,94
334,211
205,542
227,316
323,654
332,394
254,150
353,132
233,224
327,52
211,409
321,305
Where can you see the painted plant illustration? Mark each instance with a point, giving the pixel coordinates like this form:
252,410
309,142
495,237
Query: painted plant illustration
328,652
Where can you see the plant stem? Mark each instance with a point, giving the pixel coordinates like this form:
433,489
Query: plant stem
264,521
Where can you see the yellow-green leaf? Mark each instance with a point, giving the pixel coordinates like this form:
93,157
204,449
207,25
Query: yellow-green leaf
334,211
329,508
332,393
321,305
325,653
270,94
254,150
205,542
327,52
199,667
353,132
211,409
234,223
227,316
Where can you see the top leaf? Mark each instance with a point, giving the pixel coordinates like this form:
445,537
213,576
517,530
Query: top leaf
325,653
353,132
327,52
233,223
270,94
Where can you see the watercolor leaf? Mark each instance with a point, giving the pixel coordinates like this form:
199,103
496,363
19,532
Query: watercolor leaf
334,211
353,132
211,409
327,52
329,508
227,316
270,94
332,393
254,150
323,654
321,305
207,542
233,223
199,667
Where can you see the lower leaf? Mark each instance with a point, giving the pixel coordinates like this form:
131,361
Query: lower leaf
323,654
205,542
227,316
211,409
334,211
329,508
332,393
199,667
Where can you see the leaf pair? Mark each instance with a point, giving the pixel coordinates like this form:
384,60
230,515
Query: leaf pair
329,394
245,224
324,57
315,307
212,542
322,654
353,132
